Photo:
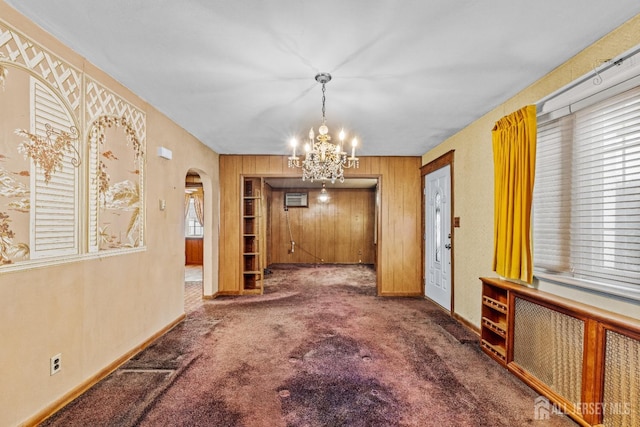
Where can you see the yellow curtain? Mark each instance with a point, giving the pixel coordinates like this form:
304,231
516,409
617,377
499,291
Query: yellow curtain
514,158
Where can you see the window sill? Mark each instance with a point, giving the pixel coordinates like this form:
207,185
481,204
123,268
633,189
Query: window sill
607,289
50,262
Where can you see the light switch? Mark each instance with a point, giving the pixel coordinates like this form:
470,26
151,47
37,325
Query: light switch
163,204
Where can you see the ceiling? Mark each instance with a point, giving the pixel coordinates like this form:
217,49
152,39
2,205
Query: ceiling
239,75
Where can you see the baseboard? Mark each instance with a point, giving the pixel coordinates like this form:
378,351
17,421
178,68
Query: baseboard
473,328
400,294
227,293
83,387
467,324
211,297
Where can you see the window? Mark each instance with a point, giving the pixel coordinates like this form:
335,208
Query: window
193,228
587,197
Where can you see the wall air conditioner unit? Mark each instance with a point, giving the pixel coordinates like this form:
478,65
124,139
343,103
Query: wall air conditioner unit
296,200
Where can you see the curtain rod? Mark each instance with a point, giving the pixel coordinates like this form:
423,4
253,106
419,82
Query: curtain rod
595,73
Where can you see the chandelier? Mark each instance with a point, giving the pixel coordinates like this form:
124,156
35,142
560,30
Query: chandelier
324,160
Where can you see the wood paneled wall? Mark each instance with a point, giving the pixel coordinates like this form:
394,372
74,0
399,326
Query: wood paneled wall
193,251
340,231
399,203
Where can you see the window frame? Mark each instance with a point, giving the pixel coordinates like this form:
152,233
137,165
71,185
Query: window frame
192,217
572,108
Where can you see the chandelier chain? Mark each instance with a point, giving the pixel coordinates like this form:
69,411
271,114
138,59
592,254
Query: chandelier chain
323,99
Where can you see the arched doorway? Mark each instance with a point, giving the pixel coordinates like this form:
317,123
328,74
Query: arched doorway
209,220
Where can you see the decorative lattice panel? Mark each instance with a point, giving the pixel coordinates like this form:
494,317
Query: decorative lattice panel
549,345
621,400
59,74
103,102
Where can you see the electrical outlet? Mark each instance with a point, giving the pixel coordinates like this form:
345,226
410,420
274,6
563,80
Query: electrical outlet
56,363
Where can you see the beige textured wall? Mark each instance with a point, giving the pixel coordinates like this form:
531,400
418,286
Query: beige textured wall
95,311
474,180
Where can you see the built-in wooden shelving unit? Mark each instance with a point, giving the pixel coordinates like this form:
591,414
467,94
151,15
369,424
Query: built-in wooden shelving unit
252,236
494,328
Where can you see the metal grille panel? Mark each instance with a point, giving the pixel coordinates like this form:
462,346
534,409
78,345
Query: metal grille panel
621,381
549,345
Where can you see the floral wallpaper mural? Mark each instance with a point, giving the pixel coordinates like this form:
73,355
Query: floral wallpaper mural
120,154
14,170
48,153
71,159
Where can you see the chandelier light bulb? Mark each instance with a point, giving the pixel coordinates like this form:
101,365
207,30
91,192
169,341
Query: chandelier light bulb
311,134
294,144
307,147
342,135
323,129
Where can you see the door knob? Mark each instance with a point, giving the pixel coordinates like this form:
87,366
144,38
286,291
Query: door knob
448,246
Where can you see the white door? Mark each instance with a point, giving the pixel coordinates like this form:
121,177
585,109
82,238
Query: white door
438,236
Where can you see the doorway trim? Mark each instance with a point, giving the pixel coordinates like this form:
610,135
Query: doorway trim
440,162
377,215
211,234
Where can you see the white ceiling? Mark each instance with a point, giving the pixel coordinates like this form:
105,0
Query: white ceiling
239,75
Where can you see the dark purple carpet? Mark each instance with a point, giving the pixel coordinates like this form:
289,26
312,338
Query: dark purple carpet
317,349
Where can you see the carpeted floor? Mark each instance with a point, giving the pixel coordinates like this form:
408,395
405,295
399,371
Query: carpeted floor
317,349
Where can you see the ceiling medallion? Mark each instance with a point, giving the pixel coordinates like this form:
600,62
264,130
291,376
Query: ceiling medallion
324,160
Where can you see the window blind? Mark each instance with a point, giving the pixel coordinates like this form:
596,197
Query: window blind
587,194
54,204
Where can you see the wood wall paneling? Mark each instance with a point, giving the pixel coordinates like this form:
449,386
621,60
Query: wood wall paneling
398,253
230,225
268,232
193,251
340,231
